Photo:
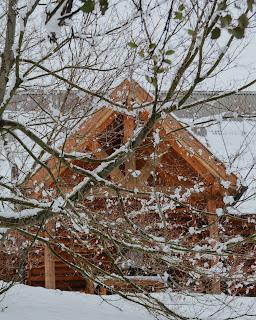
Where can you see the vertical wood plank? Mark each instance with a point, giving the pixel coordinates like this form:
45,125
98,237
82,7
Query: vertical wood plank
89,287
49,267
215,286
49,261
129,126
103,291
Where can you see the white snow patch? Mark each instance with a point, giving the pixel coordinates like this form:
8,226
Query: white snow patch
30,303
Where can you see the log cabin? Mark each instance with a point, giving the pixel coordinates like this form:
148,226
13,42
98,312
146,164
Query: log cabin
171,161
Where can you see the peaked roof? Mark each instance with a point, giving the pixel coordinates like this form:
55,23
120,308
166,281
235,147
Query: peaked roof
180,139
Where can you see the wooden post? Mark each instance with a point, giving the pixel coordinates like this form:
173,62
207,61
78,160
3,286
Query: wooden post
214,234
129,125
103,291
49,262
49,269
89,287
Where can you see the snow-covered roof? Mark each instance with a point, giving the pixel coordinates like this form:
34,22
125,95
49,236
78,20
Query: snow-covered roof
233,141
222,130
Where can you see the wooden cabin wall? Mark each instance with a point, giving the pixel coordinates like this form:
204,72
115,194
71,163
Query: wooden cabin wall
162,168
68,279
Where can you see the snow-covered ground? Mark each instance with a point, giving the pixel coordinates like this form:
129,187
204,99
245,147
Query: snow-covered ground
30,303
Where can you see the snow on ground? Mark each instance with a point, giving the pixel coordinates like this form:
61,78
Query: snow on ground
24,302
30,303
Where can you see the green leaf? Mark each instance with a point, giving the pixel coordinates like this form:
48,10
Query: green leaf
155,58
141,53
237,32
167,61
149,79
191,32
103,6
243,21
216,33
160,70
169,52
250,4
154,82
155,68
226,20
88,6
222,5
181,7
152,46
178,15
132,45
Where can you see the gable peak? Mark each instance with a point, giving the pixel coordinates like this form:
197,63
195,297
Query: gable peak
129,91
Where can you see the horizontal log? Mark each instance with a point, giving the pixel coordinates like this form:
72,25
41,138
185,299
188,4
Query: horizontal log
69,278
